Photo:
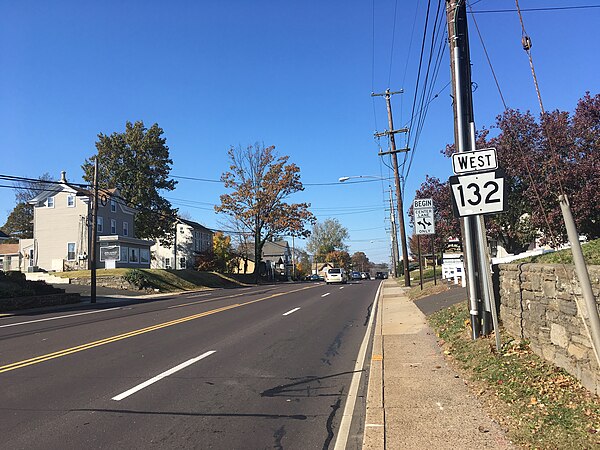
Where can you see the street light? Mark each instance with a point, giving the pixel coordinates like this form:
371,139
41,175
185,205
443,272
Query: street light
342,179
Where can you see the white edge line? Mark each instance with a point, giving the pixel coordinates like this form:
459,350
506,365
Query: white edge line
344,429
153,380
57,317
325,295
291,311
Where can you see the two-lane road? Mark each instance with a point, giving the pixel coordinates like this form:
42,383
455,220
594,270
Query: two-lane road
264,367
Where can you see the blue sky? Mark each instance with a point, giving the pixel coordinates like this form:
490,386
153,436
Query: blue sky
297,75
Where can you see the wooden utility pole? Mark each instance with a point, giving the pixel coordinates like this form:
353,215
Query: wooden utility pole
395,256
391,132
94,233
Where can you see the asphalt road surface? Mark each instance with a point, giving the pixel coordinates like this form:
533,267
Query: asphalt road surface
252,368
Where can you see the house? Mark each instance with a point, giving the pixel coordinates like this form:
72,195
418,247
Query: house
10,257
61,231
276,260
191,239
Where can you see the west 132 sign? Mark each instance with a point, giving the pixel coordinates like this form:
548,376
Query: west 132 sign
478,193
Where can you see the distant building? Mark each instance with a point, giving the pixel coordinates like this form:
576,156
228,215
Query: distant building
276,260
191,239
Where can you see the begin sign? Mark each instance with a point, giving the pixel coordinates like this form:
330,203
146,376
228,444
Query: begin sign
423,203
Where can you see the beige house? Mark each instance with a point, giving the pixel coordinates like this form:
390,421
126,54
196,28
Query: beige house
10,257
61,231
191,239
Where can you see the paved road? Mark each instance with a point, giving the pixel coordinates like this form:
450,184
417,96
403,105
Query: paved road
260,367
434,303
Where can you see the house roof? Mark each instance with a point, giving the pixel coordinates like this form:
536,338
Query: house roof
9,249
3,235
194,225
270,249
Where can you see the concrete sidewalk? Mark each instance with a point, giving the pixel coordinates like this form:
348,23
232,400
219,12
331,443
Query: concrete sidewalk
415,400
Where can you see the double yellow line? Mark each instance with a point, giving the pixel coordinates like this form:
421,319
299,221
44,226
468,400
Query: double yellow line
80,348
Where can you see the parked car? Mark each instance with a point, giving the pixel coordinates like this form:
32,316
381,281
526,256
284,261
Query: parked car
336,275
365,275
354,276
381,275
313,277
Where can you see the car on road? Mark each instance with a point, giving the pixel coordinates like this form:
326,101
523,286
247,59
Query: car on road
313,277
336,275
365,275
355,276
381,275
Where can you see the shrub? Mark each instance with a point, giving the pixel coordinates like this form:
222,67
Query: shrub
136,278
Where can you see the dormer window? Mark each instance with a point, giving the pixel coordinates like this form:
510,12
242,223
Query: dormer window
50,202
71,201
113,205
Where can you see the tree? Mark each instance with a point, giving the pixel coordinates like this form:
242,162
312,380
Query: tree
339,258
360,262
223,251
303,266
19,223
558,153
261,181
137,162
327,237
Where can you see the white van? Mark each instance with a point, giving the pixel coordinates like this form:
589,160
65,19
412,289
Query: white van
336,275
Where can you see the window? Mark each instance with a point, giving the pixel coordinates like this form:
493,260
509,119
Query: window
134,255
125,228
167,263
71,251
50,202
182,263
100,227
144,256
124,253
113,226
71,201
113,205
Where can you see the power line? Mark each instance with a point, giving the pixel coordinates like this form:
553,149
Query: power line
549,8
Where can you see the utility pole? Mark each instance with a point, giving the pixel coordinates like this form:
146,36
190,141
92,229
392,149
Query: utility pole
473,228
391,132
94,233
395,256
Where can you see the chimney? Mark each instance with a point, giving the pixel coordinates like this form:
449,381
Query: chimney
63,176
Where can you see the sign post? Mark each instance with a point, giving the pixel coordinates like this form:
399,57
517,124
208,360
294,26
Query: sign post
424,224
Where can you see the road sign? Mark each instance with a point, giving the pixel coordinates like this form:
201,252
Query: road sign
422,203
479,193
423,215
478,161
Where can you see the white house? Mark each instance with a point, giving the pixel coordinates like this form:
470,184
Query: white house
191,239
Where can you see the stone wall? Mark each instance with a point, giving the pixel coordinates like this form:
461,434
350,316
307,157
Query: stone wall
109,282
538,302
38,301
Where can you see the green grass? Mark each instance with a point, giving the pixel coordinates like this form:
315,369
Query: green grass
541,405
167,280
591,255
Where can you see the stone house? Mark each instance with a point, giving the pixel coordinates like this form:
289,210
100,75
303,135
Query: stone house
61,231
191,239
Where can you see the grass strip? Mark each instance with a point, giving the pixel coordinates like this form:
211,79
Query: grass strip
539,404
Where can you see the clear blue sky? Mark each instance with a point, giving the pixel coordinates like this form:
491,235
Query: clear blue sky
297,75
